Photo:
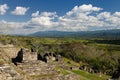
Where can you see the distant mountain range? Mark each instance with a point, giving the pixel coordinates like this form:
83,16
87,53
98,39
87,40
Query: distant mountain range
80,34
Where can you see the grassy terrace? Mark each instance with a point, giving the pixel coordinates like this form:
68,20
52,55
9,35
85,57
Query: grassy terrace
88,76
62,71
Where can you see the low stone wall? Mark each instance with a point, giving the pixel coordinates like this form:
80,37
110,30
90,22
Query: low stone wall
29,56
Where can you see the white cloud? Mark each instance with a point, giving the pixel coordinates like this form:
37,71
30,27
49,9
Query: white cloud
35,14
48,14
104,15
110,20
80,18
86,9
43,19
12,27
41,22
20,10
73,20
3,9
117,14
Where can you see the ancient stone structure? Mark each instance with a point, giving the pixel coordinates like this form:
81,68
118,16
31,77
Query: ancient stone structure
87,68
24,55
19,57
29,68
48,57
29,55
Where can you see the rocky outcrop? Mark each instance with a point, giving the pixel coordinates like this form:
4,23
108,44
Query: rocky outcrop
8,72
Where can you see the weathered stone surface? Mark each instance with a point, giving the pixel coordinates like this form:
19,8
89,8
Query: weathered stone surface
7,72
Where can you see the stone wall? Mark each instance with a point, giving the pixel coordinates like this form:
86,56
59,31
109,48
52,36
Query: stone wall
28,56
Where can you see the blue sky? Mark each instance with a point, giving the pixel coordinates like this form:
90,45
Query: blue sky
29,16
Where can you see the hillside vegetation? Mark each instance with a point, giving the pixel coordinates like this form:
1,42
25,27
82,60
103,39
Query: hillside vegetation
99,55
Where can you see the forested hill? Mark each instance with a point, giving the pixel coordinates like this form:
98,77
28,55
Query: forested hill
81,34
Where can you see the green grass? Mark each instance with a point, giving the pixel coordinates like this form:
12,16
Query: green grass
72,63
62,71
89,76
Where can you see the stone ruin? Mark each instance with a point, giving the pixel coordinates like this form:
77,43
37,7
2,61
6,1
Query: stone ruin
18,58
27,55
49,56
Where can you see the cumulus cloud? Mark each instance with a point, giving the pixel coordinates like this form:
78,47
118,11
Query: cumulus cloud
20,10
12,27
43,19
117,14
3,9
35,14
86,9
80,18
